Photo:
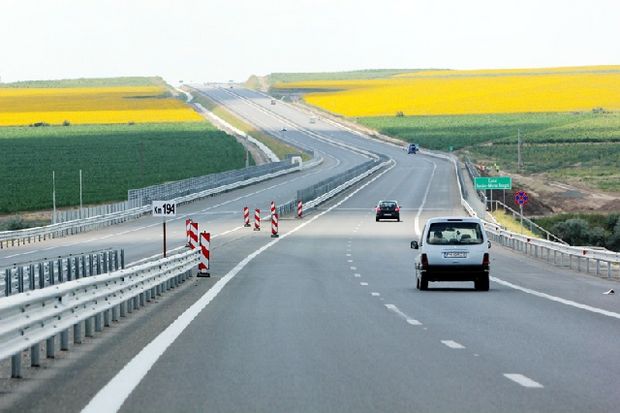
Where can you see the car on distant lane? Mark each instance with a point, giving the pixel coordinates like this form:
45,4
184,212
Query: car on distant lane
387,210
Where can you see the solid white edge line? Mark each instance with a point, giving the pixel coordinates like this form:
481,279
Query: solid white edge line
453,344
112,396
557,299
523,380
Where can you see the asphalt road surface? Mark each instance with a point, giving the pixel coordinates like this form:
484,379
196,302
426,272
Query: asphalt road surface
326,318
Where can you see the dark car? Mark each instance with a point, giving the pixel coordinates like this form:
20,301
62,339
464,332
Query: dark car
388,210
412,148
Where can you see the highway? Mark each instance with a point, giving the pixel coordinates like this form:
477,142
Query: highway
326,318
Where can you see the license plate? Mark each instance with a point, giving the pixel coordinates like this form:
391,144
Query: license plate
387,215
455,254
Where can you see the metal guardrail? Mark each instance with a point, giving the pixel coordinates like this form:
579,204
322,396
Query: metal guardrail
30,318
320,189
584,259
28,276
184,187
473,173
29,235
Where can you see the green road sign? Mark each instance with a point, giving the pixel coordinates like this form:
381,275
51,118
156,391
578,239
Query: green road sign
499,182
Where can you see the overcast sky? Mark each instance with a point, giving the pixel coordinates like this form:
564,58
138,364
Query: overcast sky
218,40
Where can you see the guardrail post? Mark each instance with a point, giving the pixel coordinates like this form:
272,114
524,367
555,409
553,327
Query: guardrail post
41,275
31,281
98,322
142,299
90,265
608,269
105,261
35,355
49,348
77,333
7,282
64,340
20,279
598,267
16,366
50,266
88,327
116,312
123,309
106,317
61,277
122,258
578,263
116,260
69,269
588,265
98,263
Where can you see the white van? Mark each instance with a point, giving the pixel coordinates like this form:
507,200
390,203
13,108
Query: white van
453,249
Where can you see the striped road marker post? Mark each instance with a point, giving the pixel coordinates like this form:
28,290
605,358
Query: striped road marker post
205,245
274,226
273,208
193,235
246,216
299,209
257,219
188,221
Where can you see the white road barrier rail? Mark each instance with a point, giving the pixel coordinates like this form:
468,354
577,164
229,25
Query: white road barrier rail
30,318
27,236
590,260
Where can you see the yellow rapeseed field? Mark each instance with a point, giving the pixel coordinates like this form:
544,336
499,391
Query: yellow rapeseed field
455,92
91,105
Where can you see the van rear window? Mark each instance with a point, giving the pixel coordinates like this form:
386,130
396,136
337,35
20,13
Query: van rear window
454,233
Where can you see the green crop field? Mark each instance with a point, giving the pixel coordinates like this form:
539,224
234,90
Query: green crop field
113,159
581,146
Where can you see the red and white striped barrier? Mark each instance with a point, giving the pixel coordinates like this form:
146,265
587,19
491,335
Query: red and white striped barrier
274,226
246,216
257,219
205,246
193,235
299,209
273,208
187,230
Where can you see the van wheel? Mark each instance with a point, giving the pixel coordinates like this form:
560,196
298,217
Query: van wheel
423,282
482,283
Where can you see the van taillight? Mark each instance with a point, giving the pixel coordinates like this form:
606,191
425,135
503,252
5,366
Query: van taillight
397,209
485,260
377,209
424,261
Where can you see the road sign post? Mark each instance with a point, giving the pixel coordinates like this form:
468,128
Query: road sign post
521,199
164,209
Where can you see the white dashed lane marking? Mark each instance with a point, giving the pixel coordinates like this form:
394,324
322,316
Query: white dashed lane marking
453,344
523,380
374,294
357,275
353,268
409,320
363,284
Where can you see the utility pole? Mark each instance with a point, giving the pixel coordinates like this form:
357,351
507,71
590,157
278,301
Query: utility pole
80,194
519,150
54,197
